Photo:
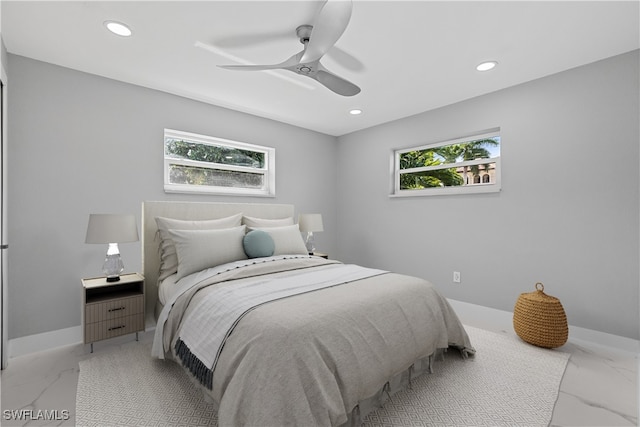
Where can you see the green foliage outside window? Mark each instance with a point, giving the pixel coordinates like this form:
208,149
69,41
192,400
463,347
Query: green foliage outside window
190,175
434,178
181,149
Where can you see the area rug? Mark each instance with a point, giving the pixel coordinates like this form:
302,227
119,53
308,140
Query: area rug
507,383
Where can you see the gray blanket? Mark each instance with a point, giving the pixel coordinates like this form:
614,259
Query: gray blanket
310,359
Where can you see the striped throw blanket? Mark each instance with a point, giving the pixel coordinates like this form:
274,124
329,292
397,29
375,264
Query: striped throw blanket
213,318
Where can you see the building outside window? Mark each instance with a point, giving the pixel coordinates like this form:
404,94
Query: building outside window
464,165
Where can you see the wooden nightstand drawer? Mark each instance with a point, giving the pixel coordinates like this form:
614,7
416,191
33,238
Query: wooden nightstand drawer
112,309
112,328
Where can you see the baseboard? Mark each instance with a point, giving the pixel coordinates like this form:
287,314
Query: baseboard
577,334
494,319
476,315
50,340
44,341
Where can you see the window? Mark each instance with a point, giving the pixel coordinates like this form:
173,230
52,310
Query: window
464,165
203,164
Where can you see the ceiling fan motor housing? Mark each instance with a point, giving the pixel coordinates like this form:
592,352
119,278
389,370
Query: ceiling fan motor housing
306,69
304,33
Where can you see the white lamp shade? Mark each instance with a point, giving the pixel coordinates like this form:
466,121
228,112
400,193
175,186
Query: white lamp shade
112,228
310,222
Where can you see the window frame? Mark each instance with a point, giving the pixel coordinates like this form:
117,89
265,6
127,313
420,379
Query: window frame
471,188
268,170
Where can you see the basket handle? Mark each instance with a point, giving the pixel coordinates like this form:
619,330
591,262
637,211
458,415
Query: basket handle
540,288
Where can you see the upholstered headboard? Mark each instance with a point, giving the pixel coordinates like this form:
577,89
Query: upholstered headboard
189,211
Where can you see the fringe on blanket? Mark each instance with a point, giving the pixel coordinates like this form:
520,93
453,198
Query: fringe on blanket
194,365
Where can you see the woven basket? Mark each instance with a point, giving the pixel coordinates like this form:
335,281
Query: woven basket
539,319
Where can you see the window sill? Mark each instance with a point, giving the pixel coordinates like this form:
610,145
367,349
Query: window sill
448,191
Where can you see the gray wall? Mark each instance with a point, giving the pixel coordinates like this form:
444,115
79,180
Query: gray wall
567,215
79,143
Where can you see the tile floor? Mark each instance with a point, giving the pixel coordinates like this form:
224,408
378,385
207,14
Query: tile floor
599,388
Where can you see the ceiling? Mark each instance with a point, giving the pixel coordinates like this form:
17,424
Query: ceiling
407,56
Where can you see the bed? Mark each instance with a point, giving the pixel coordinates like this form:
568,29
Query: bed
274,336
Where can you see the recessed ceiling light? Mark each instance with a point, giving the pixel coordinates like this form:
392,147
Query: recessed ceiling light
118,28
355,112
486,66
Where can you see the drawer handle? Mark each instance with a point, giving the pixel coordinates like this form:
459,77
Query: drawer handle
116,309
116,327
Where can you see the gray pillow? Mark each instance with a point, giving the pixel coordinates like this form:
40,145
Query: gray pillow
168,258
287,240
258,244
252,222
201,249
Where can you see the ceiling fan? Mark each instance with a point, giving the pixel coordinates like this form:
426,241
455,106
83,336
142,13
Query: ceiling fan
318,39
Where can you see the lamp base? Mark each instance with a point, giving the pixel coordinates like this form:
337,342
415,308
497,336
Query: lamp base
113,264
310,243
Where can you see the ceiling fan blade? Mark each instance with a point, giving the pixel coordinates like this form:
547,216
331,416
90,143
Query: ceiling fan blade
291,62
250,67
329,25
335,83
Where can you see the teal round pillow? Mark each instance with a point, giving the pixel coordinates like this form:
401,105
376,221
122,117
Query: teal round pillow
258,243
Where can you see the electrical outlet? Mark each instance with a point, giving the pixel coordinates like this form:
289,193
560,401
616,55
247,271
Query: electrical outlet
456,277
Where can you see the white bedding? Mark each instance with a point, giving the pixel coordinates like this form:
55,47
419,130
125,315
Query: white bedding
167,288
173,289
224,306
316,357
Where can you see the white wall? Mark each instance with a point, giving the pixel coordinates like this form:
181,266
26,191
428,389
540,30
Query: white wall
84,144
567,215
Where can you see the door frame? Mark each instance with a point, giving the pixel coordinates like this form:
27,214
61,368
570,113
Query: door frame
4,347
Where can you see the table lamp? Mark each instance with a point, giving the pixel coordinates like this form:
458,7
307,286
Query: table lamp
112,229
310,223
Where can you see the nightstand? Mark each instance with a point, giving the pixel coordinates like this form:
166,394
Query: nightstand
111,309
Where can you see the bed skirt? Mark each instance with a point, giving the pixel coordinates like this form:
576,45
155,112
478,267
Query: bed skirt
397,383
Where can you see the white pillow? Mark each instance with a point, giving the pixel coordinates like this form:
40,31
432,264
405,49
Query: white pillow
287,240
263,222
168,259
201,249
